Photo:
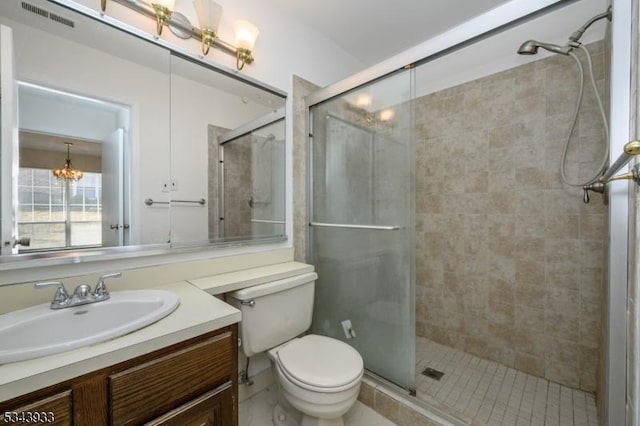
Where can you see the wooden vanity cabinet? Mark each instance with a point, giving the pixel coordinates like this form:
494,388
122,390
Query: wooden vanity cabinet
52,410
190,383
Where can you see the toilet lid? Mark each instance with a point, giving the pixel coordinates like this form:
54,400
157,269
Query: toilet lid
321,361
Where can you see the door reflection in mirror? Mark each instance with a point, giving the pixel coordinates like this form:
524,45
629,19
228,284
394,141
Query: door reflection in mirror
64,214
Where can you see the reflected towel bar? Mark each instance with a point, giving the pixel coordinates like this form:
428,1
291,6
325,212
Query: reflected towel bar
274,222
349,226
150,202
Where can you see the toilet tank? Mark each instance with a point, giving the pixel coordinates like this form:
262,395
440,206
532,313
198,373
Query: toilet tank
275,312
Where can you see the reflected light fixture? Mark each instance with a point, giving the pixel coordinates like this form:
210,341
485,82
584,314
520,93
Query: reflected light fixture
68,173
209,13
364,100
246,35
387,114
163,9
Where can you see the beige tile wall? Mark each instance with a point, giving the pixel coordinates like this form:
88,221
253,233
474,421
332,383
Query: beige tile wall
509,261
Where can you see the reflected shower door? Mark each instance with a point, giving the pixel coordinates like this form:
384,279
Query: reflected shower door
361,231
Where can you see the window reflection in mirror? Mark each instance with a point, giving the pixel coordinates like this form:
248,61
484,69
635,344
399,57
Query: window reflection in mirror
86,138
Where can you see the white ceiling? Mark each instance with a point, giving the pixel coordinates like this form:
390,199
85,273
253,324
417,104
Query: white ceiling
375,30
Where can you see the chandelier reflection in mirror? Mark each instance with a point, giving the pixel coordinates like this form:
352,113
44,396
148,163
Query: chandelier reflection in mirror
68,173
209,13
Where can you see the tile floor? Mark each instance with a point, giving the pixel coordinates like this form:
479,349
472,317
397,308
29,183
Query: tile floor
256,411
492,394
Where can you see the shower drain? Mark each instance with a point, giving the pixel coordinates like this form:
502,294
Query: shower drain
432,373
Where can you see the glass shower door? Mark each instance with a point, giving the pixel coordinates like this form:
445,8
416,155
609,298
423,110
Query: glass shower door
361,232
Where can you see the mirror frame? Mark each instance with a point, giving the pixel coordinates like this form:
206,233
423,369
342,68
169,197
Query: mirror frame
69,257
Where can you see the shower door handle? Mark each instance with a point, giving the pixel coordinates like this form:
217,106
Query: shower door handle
351,226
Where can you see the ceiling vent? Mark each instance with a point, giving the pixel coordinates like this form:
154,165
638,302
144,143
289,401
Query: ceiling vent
62,20
35,9
46,14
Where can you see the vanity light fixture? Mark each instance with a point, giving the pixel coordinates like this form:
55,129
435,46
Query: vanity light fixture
246,35
67,172
209,13
163,10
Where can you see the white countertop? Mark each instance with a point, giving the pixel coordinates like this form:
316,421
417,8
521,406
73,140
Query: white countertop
232,281
198,313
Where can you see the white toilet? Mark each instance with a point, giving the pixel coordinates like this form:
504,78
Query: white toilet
317,375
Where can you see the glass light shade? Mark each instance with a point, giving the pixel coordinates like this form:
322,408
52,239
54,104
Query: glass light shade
169,4
246,34
387,114
209,14
364,100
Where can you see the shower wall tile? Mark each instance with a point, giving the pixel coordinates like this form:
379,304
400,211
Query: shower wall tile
299,89
509,261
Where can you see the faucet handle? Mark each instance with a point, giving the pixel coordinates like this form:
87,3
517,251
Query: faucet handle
82,291
61,295
101,288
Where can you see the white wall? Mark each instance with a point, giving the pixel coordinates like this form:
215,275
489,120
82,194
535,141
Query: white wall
52,115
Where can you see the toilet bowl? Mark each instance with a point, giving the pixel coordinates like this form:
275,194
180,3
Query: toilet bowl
318,377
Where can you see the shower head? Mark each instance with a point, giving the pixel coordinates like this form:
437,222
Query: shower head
530,47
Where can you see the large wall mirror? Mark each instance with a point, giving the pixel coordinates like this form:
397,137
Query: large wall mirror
112,141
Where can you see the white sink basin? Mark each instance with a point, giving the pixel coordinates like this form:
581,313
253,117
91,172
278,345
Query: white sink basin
40,331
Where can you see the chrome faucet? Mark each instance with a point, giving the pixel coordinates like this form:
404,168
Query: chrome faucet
101,288
82,295
61,298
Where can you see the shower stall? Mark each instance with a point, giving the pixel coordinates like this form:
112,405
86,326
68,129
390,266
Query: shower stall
451,248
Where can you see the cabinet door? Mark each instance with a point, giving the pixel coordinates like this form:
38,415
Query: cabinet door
148,390
214,408
53,410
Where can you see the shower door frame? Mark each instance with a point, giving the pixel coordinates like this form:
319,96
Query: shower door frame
496,20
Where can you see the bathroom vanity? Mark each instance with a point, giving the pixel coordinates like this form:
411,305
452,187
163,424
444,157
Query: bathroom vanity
181,370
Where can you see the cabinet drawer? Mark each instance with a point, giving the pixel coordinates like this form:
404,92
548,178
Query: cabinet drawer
151,389
214,408
54,410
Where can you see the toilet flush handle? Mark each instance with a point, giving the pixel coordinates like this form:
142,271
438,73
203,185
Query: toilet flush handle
251,303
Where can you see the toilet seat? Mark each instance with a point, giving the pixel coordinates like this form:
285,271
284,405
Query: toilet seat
320,364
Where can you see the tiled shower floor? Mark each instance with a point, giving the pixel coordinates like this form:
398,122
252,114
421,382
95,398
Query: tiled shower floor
491,394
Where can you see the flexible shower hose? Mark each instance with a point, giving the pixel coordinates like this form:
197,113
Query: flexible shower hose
605,158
